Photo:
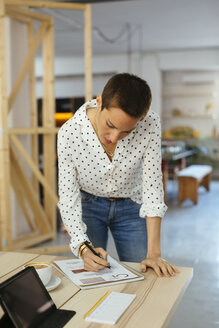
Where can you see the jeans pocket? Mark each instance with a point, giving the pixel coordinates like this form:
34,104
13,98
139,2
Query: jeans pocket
86,197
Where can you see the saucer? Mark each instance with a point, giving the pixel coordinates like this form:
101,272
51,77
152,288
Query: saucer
53,283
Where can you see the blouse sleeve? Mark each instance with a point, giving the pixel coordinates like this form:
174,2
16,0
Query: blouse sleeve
69,194
152,193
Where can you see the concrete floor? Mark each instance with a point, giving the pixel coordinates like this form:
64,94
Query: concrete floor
190,237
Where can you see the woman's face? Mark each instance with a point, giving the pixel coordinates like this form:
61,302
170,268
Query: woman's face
113,124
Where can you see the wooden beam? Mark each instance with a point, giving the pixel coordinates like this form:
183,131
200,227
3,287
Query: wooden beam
19,193
88,52
30,195
48,113
27,64
35,169
33,130
46,4
18,17
29,240
26,13
5,211
33,110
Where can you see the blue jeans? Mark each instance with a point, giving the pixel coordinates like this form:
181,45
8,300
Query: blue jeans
122,218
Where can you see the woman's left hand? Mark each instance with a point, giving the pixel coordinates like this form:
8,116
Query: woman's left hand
161,267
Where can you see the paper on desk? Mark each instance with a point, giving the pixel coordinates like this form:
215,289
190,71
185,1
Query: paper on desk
74,270
109,308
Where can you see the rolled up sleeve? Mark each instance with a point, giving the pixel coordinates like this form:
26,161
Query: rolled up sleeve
152,186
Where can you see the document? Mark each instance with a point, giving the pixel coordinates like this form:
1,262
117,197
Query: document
118,273
109,308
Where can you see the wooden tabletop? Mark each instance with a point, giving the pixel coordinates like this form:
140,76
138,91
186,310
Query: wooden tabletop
155,302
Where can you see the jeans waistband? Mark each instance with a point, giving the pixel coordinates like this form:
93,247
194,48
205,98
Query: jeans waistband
109,198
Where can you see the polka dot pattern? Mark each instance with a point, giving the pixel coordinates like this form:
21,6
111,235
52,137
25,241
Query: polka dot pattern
135,171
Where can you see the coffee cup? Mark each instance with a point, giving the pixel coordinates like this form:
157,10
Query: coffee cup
43,269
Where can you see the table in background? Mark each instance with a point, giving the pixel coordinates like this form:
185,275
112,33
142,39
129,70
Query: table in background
155,303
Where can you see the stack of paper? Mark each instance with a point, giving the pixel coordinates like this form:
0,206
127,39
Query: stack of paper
118,273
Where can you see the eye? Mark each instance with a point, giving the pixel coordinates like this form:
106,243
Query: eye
110,126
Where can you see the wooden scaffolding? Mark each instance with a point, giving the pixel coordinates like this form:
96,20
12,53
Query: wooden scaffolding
40,216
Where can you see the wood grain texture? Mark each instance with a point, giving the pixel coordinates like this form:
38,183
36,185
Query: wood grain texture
10,261
153,307
48,115
155,302
5,210
33,110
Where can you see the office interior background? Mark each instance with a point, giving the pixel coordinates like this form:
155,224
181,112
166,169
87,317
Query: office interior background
174,45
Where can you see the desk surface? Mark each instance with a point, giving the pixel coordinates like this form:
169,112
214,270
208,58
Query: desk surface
156,298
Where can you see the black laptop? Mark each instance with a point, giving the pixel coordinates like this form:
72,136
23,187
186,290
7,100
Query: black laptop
27,303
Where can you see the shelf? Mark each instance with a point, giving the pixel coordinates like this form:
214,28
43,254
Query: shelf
182,95
190,116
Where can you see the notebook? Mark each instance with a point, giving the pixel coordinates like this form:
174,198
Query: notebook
27,303
109,308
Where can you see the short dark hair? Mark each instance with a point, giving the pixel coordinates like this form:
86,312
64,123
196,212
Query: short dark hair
129,93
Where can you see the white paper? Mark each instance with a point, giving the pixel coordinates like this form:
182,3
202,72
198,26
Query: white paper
111,308
74,270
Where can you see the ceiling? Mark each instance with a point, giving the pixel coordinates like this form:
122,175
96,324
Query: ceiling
129,26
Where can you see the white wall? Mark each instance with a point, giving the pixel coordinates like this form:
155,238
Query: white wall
20,113
69,74
150,66
196,98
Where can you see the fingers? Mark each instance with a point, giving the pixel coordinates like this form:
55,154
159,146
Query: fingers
161,267
143,267
93,262
102,252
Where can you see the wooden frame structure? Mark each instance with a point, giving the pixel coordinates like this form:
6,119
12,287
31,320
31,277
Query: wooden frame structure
42,220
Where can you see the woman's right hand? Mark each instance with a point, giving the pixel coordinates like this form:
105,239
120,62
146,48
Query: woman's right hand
93,262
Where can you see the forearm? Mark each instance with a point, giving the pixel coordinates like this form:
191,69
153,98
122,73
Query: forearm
153,236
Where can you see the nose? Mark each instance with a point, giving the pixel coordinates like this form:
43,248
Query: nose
114,137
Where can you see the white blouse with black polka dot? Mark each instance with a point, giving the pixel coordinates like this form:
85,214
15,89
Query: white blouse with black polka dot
135,171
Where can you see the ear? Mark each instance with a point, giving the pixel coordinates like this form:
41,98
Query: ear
99,101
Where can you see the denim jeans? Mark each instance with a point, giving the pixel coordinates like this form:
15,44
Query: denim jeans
122,218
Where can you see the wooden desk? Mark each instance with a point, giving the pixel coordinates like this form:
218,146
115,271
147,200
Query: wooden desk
156,300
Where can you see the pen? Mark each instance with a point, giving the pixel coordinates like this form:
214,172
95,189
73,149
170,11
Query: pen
94,252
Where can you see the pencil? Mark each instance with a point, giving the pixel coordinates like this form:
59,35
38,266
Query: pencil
94,252
95,305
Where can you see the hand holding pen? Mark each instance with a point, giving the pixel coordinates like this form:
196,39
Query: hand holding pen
97,262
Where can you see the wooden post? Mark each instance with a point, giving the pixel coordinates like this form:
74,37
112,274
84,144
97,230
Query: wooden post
33,108
44,226
88,52
49,154
5,212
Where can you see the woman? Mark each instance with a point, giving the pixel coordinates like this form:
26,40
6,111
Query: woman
110,177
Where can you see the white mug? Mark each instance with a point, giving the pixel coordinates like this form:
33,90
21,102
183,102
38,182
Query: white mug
43,269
